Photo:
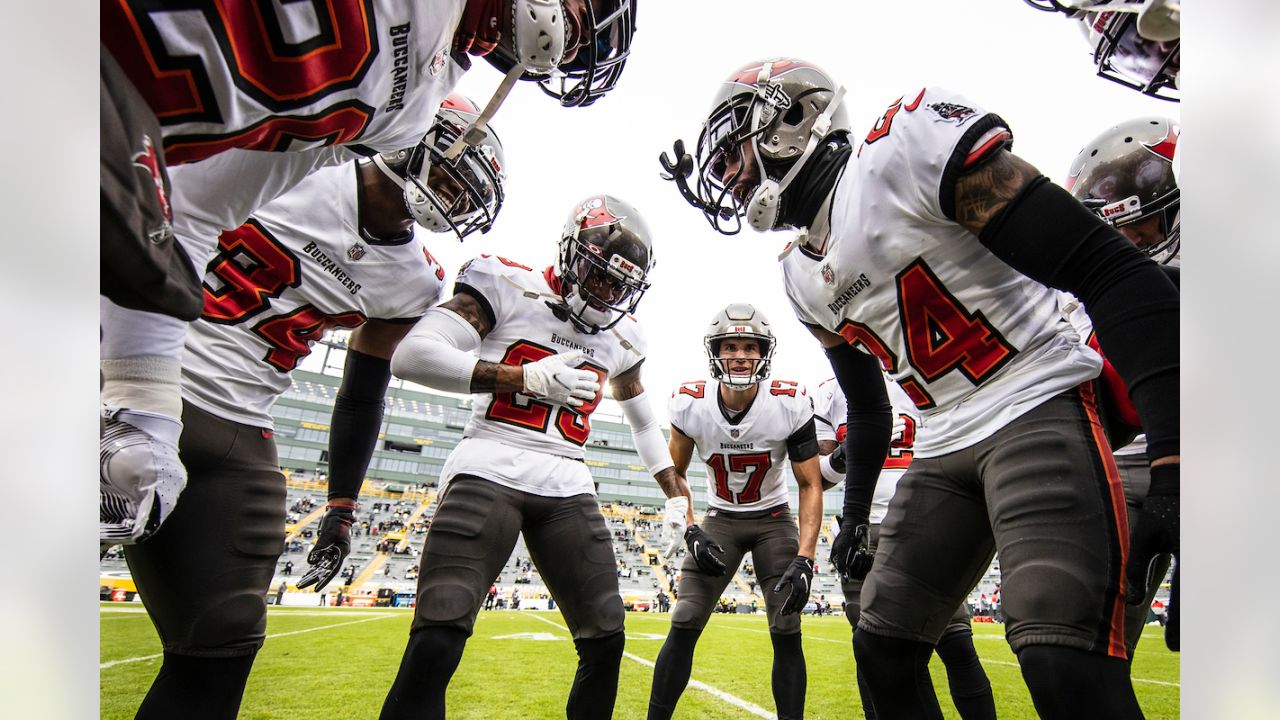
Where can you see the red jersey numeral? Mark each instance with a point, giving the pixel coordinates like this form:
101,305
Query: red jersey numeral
885,123
264,64
899,457
291,335
253,267
692,389
755,465
941,334
783,387
518,409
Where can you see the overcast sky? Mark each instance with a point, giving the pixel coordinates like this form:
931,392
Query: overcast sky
1032,68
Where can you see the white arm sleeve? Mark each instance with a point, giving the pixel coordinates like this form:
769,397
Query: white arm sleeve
438,352
650,444
829,473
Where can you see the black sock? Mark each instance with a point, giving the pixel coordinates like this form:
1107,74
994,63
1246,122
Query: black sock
671,672
970,688
196,688
1070,683
595,686
789,676
897,673
429,661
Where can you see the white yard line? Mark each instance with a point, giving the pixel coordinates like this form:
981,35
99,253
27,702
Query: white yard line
141,658
714,692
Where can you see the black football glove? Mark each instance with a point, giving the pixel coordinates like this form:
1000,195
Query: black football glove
851,555
700,546
798,579
333,544
1155,532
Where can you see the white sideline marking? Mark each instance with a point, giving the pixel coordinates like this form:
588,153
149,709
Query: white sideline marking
141,658
714,692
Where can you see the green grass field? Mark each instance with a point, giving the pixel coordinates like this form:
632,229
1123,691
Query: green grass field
339,663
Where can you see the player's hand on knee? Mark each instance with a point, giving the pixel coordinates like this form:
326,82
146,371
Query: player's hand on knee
702,547
1155,532
851,554
140,476
333,544
797,581
552,378
674,521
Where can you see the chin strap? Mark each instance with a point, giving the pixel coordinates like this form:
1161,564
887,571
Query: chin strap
762,211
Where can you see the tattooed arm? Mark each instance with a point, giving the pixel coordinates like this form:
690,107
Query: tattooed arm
983,193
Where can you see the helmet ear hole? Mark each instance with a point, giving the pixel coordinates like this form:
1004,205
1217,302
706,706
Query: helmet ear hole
795,114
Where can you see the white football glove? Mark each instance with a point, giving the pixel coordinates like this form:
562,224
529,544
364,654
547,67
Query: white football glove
899,427
674,521
139,479
553,379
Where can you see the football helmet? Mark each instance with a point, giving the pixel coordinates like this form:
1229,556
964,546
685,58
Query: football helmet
1125,175
462,194
606,253
1124,55
739,320
783,108
1134,42
544,31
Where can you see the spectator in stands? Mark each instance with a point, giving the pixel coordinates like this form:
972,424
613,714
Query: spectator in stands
288,567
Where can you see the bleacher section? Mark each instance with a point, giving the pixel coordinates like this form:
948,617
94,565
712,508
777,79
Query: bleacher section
419,430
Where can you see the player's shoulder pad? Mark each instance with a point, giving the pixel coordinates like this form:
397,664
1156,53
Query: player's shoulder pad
935,134
630,335
685,395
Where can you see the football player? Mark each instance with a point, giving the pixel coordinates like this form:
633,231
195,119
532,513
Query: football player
317,84
1126,176
970,688
338,250
932,248
1134,42
744,427
546,340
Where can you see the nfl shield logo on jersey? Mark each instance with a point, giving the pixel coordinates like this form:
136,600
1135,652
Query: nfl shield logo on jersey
828,275
733,433
437,63
355,252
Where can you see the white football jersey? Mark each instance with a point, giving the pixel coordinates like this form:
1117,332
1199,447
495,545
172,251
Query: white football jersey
973,342
286,76
830,409
299,267
745,460
529,444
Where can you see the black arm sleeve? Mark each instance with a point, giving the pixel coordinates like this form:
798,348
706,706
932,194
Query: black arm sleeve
870,425
1047,235
357,413
803,443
